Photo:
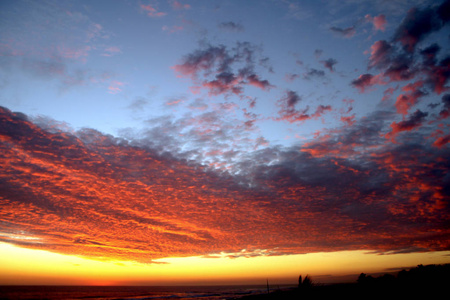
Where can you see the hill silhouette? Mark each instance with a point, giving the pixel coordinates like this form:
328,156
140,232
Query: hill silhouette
428,281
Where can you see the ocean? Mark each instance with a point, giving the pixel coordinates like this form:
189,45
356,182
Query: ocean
128,292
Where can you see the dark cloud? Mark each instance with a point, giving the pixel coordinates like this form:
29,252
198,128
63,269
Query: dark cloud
289,112
400,60
430,53
138,104
445,112
437,76
231,26
365,81
329,63
318,52
344,32
419,23
225,71
292,98
311,73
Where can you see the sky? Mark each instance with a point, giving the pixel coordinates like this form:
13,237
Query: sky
197,142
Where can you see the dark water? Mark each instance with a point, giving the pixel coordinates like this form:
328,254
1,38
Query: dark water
127,292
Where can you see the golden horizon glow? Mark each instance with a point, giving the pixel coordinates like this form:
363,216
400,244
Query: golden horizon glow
22,266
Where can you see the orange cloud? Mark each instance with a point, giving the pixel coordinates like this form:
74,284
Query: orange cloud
91,194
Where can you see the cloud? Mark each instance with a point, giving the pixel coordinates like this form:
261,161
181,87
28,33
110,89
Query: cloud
66,75
231,26
115,87
438,75
380,54
349,120
44,68
379,22
445,112
90,194
180,6
224,71
55,46
365,81
151,11
291,99
318,53
396,66
311,73
414,121
344,32
297,11
69,35
291,77
254,80
207,182
138,104
111,51
289,112
442,141
172,29
410,97
400,59
329,63
419,23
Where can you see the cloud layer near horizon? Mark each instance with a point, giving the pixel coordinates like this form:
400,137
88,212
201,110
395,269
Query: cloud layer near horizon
87,193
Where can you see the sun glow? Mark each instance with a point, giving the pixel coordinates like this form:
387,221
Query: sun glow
26,266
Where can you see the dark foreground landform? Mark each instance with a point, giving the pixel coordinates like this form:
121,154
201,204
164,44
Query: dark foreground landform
427,282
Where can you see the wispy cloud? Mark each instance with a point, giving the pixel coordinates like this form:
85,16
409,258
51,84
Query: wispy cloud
111,51
115,86
177,5
152,11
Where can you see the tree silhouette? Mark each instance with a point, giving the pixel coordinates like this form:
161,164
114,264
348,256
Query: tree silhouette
306,283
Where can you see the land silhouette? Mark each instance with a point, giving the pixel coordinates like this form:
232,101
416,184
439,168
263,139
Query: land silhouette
429,282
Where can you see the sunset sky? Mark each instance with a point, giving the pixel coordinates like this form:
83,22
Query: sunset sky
222,142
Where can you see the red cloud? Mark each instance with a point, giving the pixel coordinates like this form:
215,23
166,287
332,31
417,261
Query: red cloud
407,100
413,122
95,195
379,22
380,53
349,120
442,141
